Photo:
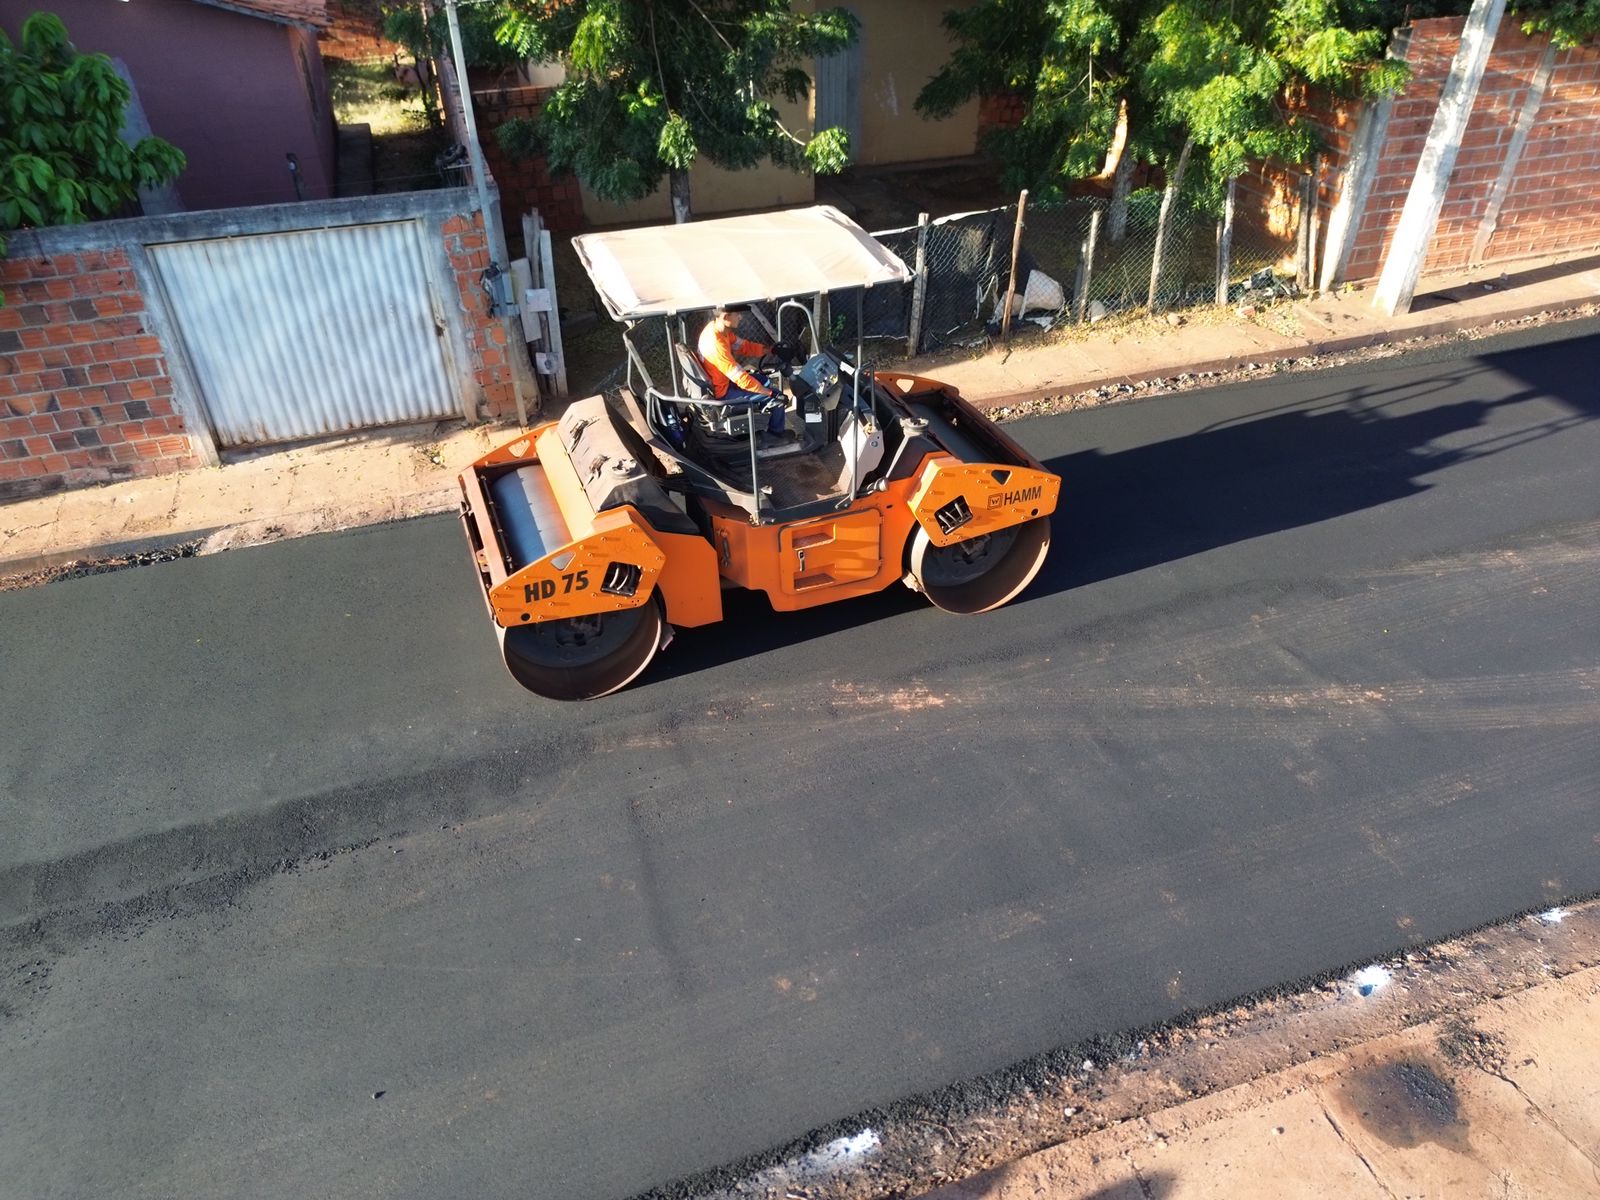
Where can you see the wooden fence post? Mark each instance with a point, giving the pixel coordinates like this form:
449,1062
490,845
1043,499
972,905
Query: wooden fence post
1011,282
1309,227
1086,268
919,288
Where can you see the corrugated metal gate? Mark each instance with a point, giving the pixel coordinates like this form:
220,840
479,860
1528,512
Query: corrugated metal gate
311,332
838,92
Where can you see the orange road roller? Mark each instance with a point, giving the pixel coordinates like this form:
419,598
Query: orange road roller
596,535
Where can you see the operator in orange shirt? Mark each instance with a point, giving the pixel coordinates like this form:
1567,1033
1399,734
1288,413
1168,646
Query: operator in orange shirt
731,382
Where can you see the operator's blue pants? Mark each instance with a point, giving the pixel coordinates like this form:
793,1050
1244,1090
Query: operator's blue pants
737,397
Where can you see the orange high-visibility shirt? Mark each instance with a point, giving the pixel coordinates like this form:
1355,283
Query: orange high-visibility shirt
718,348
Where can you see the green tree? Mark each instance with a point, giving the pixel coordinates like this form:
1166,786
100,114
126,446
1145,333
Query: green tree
1222,73
1111,82
427,37
654,85
1569,23
62,157
1069,61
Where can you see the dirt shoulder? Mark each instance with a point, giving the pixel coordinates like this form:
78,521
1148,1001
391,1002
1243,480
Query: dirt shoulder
1461,1069
1494,1096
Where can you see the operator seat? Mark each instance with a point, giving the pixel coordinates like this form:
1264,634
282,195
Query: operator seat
728,422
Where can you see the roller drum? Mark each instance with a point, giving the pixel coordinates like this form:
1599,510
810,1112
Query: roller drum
531,524
571,658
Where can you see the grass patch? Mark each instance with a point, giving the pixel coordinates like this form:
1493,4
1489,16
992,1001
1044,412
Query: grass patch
369,94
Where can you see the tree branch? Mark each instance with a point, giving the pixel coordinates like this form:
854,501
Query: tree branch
714,28
661,75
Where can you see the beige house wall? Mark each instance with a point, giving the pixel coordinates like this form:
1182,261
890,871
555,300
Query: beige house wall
715,190
903,45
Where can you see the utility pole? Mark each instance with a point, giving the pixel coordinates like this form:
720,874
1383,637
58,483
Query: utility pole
522,381
474,151
1408,247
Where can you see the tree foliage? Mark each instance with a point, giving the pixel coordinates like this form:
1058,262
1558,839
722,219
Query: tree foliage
1224,73
62,157
654,85
1569,23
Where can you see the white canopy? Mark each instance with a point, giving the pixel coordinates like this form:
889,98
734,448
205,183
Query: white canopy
735,260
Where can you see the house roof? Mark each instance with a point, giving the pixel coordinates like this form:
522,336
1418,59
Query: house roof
285,12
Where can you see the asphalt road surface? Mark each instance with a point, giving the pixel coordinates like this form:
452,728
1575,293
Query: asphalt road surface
302,896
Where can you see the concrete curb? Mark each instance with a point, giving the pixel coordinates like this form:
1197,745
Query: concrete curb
30,563
1310,346
241,534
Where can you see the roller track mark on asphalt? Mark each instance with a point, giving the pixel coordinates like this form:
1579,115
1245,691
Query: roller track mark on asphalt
1504,701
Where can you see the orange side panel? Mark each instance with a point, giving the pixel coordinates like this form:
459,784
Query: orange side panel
990,496
689,582
518,449
912,385
826,552
765,558
569,581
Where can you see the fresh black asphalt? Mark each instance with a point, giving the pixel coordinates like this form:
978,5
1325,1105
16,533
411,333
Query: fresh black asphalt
302,896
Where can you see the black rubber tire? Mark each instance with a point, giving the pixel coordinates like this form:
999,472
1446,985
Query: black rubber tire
584,658
981,573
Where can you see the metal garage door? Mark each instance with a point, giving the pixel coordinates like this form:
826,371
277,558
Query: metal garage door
296,335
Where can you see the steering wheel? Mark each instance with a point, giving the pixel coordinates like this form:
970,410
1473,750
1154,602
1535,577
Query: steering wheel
782,358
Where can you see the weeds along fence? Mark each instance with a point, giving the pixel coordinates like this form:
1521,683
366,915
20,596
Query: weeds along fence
1070,269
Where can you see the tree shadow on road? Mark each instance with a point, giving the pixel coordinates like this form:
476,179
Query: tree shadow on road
1285,467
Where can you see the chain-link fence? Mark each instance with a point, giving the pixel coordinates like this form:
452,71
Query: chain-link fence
962,263
1074,265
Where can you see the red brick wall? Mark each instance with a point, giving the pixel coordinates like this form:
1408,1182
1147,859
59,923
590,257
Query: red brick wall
524,183
1269,192
85,395
355,33
1551,205
1003,111
1554,203
486,335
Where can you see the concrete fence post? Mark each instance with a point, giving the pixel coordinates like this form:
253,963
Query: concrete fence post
919,288
1350,209
1085,280
1169,200
1225,243
1302,233
1408,246
1531,104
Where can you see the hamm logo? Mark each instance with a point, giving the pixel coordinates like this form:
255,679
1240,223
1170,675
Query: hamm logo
1020,496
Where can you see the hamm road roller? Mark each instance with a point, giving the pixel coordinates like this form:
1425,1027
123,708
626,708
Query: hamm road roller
597,535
